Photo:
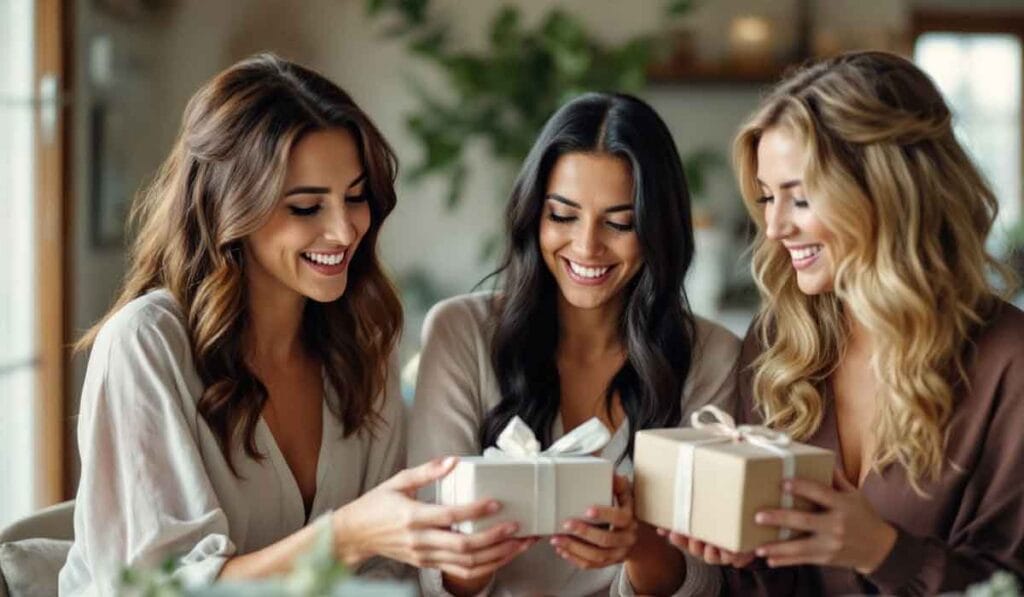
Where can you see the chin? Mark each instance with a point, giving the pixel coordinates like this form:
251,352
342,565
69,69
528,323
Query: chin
325,295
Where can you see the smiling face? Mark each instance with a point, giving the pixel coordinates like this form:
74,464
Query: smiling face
789,215
309,240
587,235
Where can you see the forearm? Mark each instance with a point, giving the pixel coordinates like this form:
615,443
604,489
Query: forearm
654,567
273,560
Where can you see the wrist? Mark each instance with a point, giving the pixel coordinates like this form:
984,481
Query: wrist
348,547
885,540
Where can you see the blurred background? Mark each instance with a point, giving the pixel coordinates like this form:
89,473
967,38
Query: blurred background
92,93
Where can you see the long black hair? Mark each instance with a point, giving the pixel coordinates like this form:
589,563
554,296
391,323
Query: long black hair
656,325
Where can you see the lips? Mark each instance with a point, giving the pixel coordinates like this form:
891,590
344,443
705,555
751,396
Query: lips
328,263
803,256
586,274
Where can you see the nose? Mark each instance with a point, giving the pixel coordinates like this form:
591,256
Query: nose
778,221
587,238
339,228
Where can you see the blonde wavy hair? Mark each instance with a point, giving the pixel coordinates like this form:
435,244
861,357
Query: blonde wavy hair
220,184
910,213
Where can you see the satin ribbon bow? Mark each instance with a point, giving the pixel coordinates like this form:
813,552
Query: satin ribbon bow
723,428
517,442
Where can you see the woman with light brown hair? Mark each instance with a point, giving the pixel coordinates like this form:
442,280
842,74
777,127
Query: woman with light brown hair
881,337
242,386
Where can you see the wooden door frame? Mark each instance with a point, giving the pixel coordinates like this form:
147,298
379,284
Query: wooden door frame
52,47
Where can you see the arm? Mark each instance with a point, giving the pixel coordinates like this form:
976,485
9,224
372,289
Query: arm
656,566
447,414
144,495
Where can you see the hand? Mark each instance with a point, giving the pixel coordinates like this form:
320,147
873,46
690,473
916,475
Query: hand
588,546
848,533
388,521
705,551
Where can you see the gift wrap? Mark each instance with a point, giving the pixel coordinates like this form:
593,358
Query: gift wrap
537,489
709,481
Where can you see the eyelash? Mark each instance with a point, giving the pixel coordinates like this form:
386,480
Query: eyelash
796,202
313,209
613,225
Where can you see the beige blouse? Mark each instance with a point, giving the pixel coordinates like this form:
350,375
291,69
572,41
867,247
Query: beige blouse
457,386
155,484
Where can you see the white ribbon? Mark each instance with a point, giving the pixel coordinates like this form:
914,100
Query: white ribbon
724,429
517,441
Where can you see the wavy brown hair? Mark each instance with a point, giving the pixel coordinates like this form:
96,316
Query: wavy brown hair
220,184
910,214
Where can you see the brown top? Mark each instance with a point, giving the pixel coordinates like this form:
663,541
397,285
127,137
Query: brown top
973,523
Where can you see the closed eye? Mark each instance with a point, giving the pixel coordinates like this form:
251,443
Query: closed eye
360,198
620,227
765,199
304,211
560,219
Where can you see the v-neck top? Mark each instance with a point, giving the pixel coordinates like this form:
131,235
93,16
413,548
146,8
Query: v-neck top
155,483
457,386
970,524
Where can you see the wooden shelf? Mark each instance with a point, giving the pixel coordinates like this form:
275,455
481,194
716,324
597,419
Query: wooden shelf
713,74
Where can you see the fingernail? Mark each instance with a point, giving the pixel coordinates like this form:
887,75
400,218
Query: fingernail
493,507
760,552
556,541
448,461
591,513
567,526
760,518
511,529
787,485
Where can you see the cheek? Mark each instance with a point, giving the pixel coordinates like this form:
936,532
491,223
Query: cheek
550,237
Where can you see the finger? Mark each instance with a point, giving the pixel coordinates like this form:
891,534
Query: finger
822,495
476,558
617,517
840,481
434,515
597,556
436,539
575,561
792,519
737,560
712,555
414,478
620,537
475,572
801,549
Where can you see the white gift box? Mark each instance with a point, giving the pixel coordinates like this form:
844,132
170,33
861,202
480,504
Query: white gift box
537,490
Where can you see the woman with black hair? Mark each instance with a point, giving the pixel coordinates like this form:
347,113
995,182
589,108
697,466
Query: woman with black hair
591,321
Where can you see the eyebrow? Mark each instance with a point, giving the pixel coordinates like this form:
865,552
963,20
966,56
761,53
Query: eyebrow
789,184
311,190
571,203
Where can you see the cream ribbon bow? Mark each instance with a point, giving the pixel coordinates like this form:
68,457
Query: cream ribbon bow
517,441
723,428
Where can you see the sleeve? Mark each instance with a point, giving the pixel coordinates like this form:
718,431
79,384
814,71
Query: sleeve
447,410
387,453
701,580
988,532
144,495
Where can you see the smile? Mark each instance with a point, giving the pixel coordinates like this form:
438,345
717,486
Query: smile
805,255
587,274
329,264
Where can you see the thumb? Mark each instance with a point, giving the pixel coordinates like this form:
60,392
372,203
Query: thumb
411,479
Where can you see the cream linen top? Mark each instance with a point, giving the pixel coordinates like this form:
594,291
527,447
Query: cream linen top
457,386
154,482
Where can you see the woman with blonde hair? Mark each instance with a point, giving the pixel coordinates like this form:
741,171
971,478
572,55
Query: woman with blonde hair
880,337
241,387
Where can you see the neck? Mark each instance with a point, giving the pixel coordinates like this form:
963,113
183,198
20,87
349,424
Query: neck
588,334
275,322
859,339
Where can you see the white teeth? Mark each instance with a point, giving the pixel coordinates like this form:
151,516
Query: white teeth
325,258
805,253
587,272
